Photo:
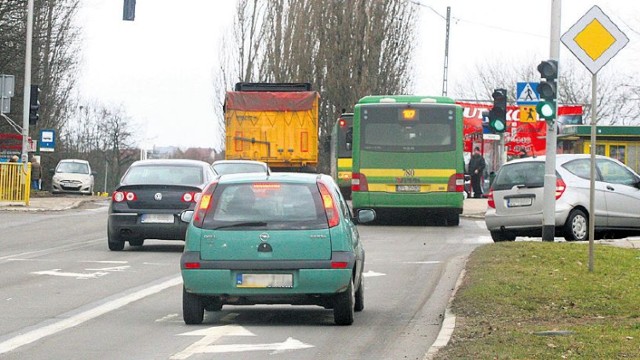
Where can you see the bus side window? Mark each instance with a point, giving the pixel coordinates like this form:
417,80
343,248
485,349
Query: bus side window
349,138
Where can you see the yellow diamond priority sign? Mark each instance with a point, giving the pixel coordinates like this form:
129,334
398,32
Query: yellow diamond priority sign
594,39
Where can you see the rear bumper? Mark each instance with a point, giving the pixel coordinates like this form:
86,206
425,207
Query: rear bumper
315,278
450,202
128,226
514,223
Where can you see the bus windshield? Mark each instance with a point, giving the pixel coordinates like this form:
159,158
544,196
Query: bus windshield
386,128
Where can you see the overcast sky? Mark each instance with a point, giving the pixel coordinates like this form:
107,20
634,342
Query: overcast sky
160,66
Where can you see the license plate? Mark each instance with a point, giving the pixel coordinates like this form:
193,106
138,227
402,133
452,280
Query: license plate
264,280
157,219
517,202
408,188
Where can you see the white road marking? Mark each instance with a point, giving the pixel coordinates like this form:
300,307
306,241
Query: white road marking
105,261
210,335
481,224
50,329
80,276
289,344
372,274
113,268
169,317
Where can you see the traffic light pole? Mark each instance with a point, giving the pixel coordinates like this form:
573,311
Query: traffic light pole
27,85
549,204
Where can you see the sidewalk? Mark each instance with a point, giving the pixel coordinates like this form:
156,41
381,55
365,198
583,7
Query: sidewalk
48,202
474,208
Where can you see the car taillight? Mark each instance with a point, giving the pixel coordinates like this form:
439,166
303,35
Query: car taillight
560,187
120,196
456,183
329,204
490,202
203,204
359,182
190,197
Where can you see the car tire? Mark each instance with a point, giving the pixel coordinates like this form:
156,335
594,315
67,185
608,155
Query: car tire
343,307
359,300
500,236
192,308
137,242
114,241
577,226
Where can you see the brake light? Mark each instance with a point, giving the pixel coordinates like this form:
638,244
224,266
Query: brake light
190,197
342,122
339,264
359,182
192,265
490,202
329,204
203,205
560,187
120,196
456,183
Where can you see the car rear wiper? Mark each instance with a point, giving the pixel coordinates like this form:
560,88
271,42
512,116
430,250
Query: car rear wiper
241,224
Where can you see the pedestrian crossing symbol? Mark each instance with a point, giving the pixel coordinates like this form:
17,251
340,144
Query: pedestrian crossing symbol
528,113
527,93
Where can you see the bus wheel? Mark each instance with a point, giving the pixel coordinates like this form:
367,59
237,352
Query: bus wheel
453,220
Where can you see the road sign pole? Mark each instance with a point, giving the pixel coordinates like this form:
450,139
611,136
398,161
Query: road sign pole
549,202
592,180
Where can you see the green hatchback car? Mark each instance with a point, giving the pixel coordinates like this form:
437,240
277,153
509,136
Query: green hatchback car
274,238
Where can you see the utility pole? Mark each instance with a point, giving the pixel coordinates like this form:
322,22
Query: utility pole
446,54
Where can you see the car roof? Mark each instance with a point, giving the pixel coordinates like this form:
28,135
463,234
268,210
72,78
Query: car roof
73,160
305,178
239,162
180,162
560,158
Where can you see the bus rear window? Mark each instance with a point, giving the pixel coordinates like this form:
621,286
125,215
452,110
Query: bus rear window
425,128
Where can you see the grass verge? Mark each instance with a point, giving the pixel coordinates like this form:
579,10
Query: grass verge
532,300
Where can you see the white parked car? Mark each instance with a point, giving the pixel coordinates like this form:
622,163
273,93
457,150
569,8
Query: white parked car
72,176
515,201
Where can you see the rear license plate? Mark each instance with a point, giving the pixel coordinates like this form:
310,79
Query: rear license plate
264,280
518,202
408,188
157,219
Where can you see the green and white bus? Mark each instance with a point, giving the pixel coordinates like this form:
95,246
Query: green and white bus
408,156
341,146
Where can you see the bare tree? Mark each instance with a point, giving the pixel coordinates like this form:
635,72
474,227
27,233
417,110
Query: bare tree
346,49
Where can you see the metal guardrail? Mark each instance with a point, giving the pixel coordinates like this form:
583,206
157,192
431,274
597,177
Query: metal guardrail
15,183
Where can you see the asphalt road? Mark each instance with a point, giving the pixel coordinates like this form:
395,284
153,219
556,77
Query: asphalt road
63,294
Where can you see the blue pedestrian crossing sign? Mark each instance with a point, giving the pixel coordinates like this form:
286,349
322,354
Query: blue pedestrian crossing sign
527,93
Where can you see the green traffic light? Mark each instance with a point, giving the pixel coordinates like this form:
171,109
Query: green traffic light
546,110
497,125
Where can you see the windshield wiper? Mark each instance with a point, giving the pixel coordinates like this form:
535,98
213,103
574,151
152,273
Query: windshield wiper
241,224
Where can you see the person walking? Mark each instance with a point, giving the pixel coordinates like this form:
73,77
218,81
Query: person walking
476,169
36,174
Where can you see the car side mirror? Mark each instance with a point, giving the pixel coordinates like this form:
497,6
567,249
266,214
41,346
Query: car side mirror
365,216
186,216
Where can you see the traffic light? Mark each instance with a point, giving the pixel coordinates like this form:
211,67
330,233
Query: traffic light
34,105
498,114
548,89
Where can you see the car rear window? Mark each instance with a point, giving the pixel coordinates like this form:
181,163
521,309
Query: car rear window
231,168
266,206
526,174
163,175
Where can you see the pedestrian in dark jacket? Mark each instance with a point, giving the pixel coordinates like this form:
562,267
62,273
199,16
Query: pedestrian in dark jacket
36,174
476,169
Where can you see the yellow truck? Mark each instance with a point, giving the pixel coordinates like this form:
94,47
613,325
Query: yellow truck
273,122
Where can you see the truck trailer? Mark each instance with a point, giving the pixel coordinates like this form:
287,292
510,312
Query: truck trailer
276,123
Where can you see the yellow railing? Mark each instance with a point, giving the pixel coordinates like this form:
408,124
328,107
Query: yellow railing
15,183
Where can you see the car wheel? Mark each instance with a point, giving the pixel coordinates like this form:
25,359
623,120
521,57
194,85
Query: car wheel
577,226
499,236
114,241
359,301
343,306
192,308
